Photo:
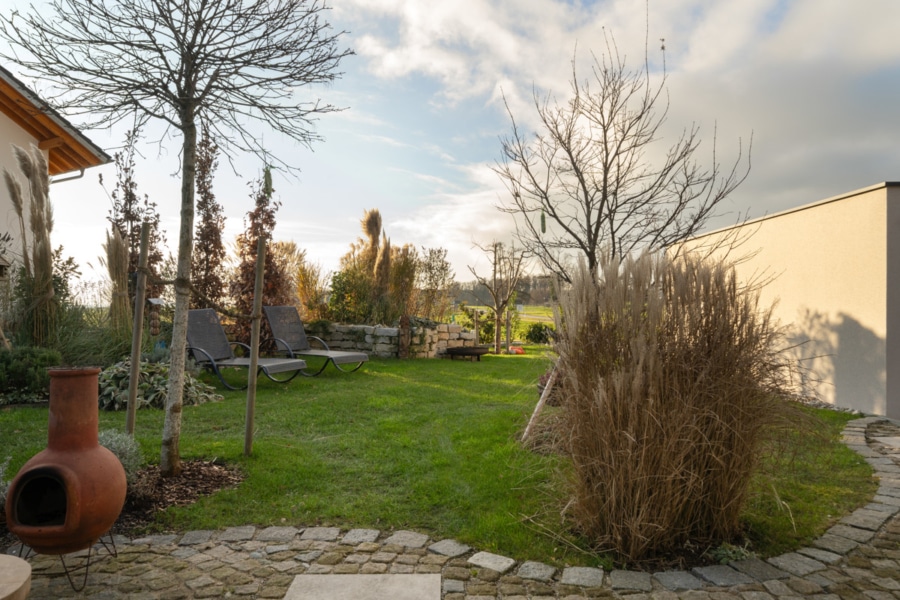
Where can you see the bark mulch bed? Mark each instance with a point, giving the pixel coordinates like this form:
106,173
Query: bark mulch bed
149,494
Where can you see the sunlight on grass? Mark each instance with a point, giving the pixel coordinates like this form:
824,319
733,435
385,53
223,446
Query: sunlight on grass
429,445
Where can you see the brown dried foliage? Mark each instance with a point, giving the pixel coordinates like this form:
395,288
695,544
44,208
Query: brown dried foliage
208,257
277,289
672,380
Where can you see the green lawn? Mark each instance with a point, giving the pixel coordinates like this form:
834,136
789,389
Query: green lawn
429,445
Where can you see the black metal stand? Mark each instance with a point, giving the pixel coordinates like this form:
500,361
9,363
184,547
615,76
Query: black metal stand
73,571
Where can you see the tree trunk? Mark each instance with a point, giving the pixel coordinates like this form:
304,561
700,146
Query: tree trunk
170,458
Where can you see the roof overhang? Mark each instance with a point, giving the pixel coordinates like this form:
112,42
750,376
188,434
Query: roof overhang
67,149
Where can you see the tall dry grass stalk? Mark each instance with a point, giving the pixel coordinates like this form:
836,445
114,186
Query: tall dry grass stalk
116,262
39,312
671,379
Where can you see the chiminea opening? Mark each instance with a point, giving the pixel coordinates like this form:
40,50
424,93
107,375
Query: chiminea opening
41,499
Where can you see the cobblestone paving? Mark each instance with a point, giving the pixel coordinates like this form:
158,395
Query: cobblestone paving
857,559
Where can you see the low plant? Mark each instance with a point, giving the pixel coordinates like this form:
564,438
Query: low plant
726,553
153,387
539,333
126,449
23,374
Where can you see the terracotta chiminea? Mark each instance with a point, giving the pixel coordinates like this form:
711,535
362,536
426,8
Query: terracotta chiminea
71,493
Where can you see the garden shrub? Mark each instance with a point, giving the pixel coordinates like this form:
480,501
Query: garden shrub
672,379
23,374
153,387
126,449
539,333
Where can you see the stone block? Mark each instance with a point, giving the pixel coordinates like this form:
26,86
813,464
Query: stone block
494,562
635,581
678,581
758,569
355,537
407,539
582,576
536,570
450,548
796,564
722,575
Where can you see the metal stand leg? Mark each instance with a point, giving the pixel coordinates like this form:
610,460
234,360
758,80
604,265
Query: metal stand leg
109,545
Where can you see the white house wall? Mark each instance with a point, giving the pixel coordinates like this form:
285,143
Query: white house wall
11,133
825,268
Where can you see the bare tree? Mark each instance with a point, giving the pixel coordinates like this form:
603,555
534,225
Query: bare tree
507,269
223,63
586,183
435,278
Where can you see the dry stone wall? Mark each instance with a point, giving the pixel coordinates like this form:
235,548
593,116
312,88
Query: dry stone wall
426,342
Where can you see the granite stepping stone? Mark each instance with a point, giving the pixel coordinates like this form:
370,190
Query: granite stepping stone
582,576
450,548
722,575
408,539
678,581
494,562
536,571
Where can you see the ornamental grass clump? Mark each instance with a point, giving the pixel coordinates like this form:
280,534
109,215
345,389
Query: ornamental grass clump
671,379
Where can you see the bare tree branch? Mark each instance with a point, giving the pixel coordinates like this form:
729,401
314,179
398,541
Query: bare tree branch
224,64
507,269
584,184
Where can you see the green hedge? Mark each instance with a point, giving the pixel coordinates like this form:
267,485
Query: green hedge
23,374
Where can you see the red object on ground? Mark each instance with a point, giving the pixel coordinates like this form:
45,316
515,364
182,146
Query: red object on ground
69,494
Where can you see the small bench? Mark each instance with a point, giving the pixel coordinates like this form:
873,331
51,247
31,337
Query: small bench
467,352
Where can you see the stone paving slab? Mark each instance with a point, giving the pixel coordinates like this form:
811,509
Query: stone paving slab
582,576
866,519
758,569
678,581
722,575
835,543
797,564
494,562
238,534
277,534
536,570
852,533
321,534
355,537
408,539
192,538
365,587
636,581
450,548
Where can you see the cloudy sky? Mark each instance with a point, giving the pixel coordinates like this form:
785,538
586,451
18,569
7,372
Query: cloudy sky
816,83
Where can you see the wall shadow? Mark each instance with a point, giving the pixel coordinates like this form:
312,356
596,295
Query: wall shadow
840,361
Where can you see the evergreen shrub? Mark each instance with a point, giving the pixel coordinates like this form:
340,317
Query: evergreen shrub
23,374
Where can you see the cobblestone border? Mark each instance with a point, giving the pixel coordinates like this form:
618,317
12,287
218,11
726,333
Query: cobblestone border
250,562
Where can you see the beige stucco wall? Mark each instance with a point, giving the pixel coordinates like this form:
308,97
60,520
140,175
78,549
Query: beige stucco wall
825,267
11,133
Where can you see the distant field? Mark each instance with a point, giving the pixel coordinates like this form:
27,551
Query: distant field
530,313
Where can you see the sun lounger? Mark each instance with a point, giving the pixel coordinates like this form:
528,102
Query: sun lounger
290,337
211,349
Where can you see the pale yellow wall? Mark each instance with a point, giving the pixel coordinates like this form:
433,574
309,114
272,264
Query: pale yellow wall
826,267
10,133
